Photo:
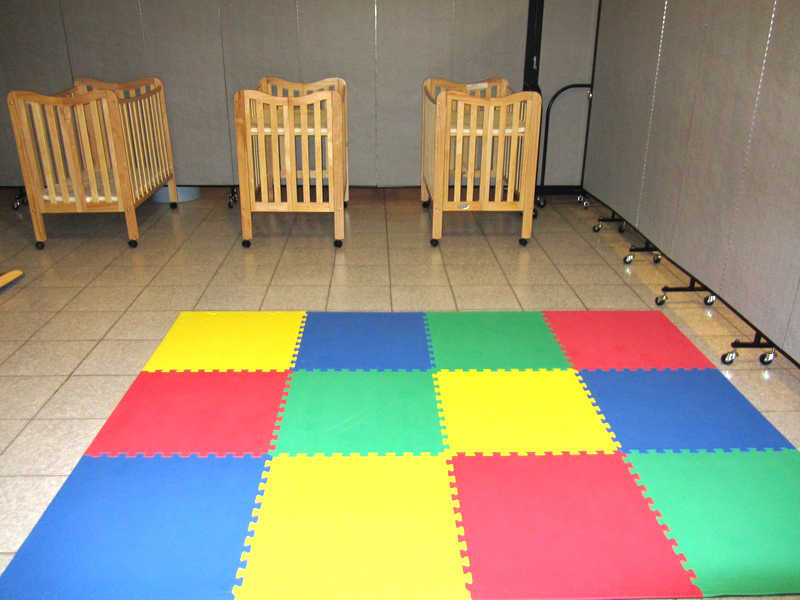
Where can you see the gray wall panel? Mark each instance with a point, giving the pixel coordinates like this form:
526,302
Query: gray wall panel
34,57
762,270
337,39
414,44
625,75
566,58
105,39
489,40
672,113
723,110
259,39
184,49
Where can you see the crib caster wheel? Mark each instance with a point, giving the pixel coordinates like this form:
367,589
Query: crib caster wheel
434,243
523,242
133,243
39,245
628,259
246,243
542,202
173,205
767,358
15,204
660,300
337,243
621,227
583,200
729,357
597,227
426,204
656,258
709,300
535,213
230,203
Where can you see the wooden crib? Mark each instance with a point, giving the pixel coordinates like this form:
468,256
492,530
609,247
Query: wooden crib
480,144
96,147
304,171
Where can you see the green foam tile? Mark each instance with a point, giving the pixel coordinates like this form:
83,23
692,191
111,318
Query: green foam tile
360,412
493,340
733,514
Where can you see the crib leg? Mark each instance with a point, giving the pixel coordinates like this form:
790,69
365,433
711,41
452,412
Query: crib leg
38,226
437,224
247,223
425,196
133,227
173,193
527,221
338,227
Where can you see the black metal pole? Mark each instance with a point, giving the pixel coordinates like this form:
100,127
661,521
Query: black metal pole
591,92
533,46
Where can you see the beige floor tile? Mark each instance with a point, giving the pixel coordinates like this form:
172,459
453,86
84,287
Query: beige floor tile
590,275
136,276
296,297
613,297
422,298
360,275
360,298
49,447
264,251
94,299
22,397
419,275
168,297
22,502
699,320
349,255
46,358
143,325
199,256
8,348
547,297
239,297
185,275
9,429
485,297
47,299
312,274
21,327
714,346
416,238
481,255
86,397
67,276
77,326
244,274
472,275
415,256
5,560
788,423
301,257
533,273
117,357
768,389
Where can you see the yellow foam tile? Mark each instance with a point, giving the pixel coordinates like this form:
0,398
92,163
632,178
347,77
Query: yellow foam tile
205,341
520,411
356,528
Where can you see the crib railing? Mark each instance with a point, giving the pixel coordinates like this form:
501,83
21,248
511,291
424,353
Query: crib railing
291,154
69,151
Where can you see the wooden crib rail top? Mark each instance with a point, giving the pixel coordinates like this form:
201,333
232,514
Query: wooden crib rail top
499,84
297,104
337,84
62,98
84,83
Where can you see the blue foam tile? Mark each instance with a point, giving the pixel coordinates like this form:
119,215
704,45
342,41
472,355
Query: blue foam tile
679,410
133,528
364,341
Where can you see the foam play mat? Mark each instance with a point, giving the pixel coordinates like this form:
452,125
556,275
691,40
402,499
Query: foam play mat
417,456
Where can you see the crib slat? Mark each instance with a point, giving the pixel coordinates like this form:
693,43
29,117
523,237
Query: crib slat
290,160
304,152
101,146
142,163
473,142
112,155
513,159
261,134
73,157
158,150
44,149
130,152
276,154
500,167
86,147
486,175
58,156
149,127
457,171
318,149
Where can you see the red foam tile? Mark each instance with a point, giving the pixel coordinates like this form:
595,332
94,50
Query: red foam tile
568,526
618,339
186,413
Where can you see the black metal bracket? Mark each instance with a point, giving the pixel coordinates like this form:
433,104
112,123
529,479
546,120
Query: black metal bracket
759,341
614,218
533,46
648,247
694,286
